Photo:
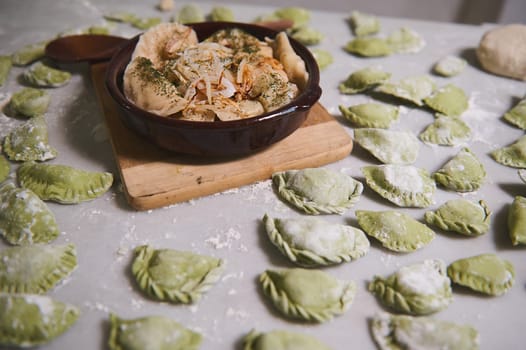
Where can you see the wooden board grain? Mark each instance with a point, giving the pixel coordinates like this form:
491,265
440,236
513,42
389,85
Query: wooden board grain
154,178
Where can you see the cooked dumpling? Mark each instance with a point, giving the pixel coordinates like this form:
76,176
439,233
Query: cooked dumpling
281,340
29,142
35,269
446,131
405,40
462,173
450,66
390,147
28,320
413,89
293,65
484,273
312,241
29,102
24,217
461,216
369,47
308,295
396,231
403,185
175,276
517,115
363,79
513,155
394,332
370,115
449,100
151,333
417,289
517,221
318,190
62,183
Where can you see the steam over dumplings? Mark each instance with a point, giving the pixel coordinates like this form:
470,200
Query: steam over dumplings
230,75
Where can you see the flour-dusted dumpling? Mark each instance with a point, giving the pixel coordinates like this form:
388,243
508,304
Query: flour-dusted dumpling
517,115
28,320
450,66
446,131
310,241
29,102
390,147
403,185
41,75
308,36
461,216
369,47
35,269
5,68
370,115
221,14
5,167
281,340
29,142
152,333
462,173
24,217
173,275
307,295
396,332
318,190
513,155
413,89
363,79
396,231
364,24
449,100
405,40
29,53
484,273
62,183
417,289
517,221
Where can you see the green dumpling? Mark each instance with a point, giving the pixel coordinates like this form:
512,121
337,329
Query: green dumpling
62,183
29,102
28,320
307,295
517,221
323,57
397,332
175,276
29,53
24,217
417,289
5,68
405,40
364,24
484,273
413,89
281,340
462,173
461,216
370,115
5,168
307,36
311,241
389,147
363,79
41,75
513,155
403,185
318,190
446,131
450,66
35,269
396,231
151,333
29,142
449,100
369,47
517,115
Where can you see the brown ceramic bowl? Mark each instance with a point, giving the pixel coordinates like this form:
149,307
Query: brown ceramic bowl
218,138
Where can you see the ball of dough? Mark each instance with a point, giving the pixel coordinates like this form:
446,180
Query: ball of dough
502,51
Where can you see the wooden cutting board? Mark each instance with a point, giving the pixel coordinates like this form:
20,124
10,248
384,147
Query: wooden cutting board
153,177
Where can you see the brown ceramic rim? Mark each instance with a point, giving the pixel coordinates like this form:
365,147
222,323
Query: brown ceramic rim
302,102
